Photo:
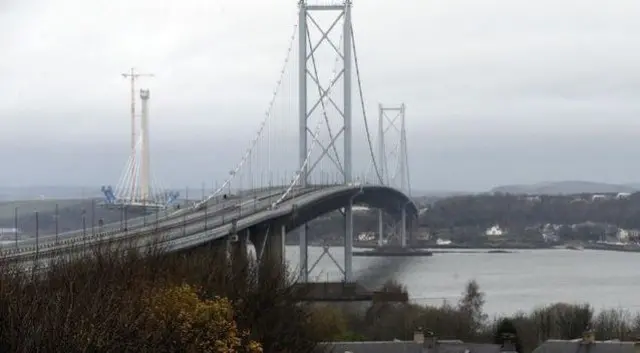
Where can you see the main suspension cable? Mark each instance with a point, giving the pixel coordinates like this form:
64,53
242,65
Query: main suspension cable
262,124
364,112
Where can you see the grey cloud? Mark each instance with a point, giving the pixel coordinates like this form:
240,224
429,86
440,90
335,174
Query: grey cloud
497,91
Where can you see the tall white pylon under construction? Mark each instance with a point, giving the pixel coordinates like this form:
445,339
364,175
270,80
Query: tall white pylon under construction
137,187
145,177
132,75
391,172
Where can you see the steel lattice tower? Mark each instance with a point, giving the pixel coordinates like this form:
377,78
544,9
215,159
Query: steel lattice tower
342,11
387,123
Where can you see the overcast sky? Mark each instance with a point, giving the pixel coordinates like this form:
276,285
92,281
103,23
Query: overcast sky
497,91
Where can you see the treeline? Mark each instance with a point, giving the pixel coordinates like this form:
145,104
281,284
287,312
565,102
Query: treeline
521,211
466,320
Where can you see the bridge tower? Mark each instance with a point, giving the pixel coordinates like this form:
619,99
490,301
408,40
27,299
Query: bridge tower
388,124
136,188
307,68
145,178
133,75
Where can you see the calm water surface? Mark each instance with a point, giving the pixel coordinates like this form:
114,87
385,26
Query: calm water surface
514,281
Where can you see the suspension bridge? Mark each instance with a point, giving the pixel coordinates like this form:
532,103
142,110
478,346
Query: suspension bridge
254,204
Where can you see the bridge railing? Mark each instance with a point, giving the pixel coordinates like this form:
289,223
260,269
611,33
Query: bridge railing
130,224
89,240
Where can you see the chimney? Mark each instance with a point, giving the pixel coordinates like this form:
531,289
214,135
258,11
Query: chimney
418,335
430,341
508,343
588,337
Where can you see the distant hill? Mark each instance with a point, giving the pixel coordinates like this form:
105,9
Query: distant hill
565,188
8,193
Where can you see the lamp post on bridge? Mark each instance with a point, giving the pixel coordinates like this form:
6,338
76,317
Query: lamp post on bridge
144,212
93,217
122,218
15,224
231,174
57,218
84,227
216,189
157,216
37,235
203,192
126,215
205,215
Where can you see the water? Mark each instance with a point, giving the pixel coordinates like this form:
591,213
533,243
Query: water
514,281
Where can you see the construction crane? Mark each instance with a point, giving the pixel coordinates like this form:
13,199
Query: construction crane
133,76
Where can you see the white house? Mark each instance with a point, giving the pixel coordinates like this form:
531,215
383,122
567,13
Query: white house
622,235
443,241
494,231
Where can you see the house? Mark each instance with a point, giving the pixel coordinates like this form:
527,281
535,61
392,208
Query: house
9,231
494,231
420,344
440,241
587,344
633,233
6,233
622,235
533,198
367,236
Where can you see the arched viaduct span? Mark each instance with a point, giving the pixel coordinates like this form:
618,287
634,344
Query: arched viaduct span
302,209
306,209
259,220
267,229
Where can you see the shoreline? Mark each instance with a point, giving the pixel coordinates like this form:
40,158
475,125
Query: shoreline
488,248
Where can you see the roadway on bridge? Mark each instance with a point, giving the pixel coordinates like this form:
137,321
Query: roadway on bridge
187,230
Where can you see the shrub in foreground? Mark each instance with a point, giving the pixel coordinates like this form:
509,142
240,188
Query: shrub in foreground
122,301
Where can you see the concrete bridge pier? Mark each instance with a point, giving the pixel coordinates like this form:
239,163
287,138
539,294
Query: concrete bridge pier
269,244
238,250
400,228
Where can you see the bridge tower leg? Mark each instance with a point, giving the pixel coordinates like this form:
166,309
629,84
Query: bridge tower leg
302,106
306,167
395,123
403,227
381,165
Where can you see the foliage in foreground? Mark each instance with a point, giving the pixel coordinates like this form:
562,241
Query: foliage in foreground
195,302
152,303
